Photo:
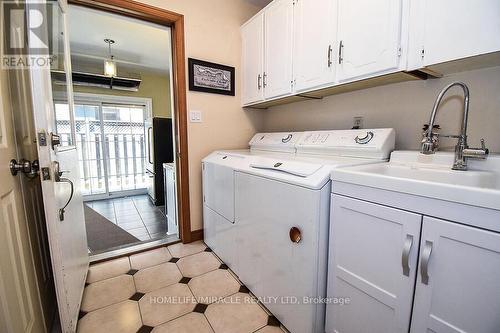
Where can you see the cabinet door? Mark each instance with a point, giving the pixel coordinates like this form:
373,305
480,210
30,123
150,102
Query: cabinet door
458,288
252,35
457,29
278,48
372,261
315,55
369,37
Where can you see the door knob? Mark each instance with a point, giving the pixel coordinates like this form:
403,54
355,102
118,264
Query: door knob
295,235
30,169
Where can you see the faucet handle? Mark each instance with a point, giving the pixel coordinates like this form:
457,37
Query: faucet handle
480,153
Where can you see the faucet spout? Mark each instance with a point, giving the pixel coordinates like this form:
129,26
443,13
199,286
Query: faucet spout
430,140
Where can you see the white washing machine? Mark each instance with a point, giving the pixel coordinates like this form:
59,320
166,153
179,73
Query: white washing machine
218,188
278,208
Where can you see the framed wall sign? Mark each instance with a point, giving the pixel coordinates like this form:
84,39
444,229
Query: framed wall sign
210,77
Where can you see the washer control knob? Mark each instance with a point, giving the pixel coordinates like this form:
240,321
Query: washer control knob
364,140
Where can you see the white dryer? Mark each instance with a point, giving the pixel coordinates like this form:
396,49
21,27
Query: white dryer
278,206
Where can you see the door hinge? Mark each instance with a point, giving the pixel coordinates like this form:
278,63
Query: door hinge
422,53
399,51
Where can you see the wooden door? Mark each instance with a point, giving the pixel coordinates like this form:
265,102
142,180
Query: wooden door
369,37
372,262
455,29
278,38
315,48
457,288
66,232
252,38
20,308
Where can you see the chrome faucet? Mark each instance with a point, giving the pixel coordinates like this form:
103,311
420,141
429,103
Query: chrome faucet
430,142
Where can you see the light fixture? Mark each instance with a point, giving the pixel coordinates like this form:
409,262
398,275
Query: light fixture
109,64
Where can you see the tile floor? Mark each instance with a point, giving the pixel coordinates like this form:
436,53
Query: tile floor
134,214
182,288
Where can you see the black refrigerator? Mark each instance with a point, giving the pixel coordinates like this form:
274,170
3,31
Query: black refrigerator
159,150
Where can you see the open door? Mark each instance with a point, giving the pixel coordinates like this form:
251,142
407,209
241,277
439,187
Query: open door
59,171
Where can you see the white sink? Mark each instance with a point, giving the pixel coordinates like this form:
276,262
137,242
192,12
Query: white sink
431,176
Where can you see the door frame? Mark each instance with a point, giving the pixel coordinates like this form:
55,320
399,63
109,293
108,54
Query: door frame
176,22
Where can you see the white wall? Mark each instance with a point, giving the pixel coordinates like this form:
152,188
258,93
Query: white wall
212,33
405,106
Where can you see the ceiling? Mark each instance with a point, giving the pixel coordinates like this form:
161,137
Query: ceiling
139,45
259,3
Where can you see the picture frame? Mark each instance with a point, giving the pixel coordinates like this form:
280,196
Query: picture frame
210,77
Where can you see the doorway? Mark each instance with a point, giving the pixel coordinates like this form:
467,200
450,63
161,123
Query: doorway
111,140
122,124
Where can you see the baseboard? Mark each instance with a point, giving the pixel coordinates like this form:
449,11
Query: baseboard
196,235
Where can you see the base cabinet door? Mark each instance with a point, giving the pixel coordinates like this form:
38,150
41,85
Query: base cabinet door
315,55
252,60
369,37
372,267
277,78
458,283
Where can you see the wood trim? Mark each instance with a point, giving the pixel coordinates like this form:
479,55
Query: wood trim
197,235
176,22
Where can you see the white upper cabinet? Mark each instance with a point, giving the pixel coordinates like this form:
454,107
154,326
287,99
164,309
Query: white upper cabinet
252,35
277,77
457,287
447,30
315,46
369,34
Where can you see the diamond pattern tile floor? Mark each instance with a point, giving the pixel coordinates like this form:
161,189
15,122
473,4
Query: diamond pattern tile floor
180,288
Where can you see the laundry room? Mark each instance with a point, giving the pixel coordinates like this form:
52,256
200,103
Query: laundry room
250,166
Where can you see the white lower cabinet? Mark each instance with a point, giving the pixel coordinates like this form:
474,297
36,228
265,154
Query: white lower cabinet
373,257
372,261
458,286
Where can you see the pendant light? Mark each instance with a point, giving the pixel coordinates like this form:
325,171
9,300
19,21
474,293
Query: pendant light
109,64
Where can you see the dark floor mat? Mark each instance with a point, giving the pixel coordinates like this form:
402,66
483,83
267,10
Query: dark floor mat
102,234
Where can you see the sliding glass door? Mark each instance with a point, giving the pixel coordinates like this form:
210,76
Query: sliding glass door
111,146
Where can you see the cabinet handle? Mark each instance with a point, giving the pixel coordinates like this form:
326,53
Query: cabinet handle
424,264
341,52
259,81
265,80
329,56
405,257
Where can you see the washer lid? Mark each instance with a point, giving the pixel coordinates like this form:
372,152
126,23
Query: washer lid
294,168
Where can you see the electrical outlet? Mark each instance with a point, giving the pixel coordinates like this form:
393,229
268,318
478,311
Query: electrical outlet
357,122
195,116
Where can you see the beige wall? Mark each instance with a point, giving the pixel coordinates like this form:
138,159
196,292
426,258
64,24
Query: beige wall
404,106
154,86
212,33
